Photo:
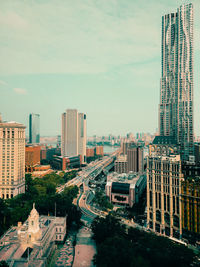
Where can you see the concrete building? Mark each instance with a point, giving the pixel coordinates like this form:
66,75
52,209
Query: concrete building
73,138
90,152
121,164
135,158
34,128
99,151
32,157
82,135
176,89
164,176
125,189
190,202
32,243
12,159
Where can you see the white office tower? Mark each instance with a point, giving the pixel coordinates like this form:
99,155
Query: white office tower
73,134
82,136
12,159
176,92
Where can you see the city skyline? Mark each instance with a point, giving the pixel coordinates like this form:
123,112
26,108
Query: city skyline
106,77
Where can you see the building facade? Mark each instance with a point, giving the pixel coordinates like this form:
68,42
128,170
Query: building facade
164,213
176,91
73,138
121,164
32,243
135,158
34,128
32,157
12,159
125,189
82,136
190,200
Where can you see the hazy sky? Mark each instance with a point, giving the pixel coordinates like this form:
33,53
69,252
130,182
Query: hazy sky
99,56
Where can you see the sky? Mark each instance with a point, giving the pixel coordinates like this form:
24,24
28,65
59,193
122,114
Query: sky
102,57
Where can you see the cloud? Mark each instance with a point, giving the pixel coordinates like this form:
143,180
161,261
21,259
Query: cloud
3,83
80,36
20,91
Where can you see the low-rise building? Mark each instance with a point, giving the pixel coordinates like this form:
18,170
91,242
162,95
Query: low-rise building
32,157
125,189
32,243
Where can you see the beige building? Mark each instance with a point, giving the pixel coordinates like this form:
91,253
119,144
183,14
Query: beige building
12,160
82,136
73,138
32,243
121,164
164,176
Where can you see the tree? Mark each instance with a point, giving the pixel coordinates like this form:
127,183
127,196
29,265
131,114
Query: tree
3,264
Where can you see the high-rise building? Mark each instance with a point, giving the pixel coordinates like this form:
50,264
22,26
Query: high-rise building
135,158
73,134
164,213
176,92
34,128
82,136
12,159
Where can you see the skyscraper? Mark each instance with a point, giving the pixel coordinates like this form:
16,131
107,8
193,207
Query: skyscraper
12,159
34,128
176,92
73,134
82,136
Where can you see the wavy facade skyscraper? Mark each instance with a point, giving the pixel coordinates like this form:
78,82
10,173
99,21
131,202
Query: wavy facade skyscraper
176,92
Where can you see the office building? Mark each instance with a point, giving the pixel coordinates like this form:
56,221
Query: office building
164,176
82,136
12,159
176,92
73,139
121,164
34,128
32,243
135,158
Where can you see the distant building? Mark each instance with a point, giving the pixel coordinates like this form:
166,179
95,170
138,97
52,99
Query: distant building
64,163
34,128
73,140
135,158
32,243
90,152
121,164
12,159
82,136
125,189
99,151
32,157
125,146
164,176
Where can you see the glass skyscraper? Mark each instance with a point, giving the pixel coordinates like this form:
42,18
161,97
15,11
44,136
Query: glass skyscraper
34,128
176,92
